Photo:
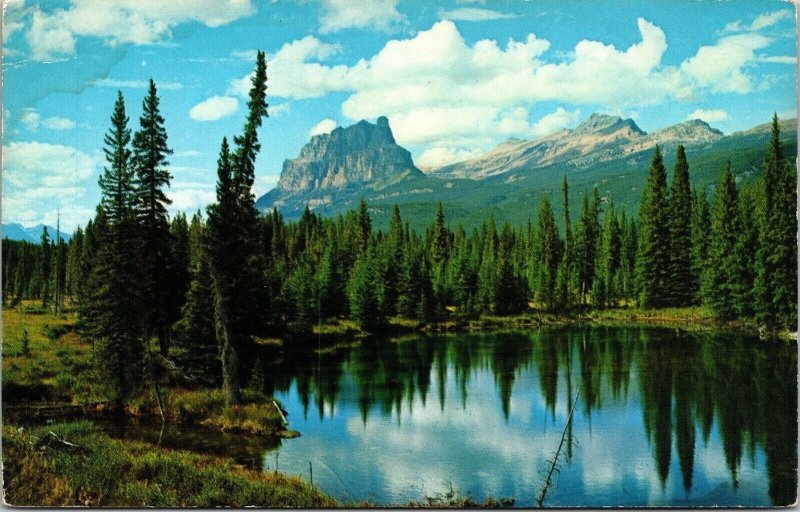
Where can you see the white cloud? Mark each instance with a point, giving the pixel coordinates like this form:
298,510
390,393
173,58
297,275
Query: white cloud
214,108
474,14
295,73
39,177
280,109
761,21
440,156
370,14
324,126
554,122
709,116
31,119
58,123
136,84
778,59
720,67
122,21
442,92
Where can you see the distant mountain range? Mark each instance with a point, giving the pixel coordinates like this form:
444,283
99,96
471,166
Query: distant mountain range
33,234
333,171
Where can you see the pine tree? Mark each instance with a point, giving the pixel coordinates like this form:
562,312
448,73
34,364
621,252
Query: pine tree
776,261
722,272
115,310
746,249
45,266
149,160
195,348
549,255
236,258
681,285
701,228
364,225
364,307
180,267
440,242
653,259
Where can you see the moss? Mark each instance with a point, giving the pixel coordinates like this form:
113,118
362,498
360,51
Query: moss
100,471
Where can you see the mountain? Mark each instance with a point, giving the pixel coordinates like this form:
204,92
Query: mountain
360,156
508,182
34,234
599,138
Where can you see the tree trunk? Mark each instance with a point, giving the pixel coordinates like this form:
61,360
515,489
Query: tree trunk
228,355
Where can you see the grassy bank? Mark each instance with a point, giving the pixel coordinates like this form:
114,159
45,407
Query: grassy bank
79,465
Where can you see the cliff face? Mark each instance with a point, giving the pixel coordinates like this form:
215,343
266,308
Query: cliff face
354,155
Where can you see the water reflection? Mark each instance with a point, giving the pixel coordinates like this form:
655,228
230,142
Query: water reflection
664,417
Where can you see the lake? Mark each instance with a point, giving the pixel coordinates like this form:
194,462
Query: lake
660,418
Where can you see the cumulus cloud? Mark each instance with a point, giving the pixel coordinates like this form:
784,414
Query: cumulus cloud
370,14
33,120
709,116
121,21
39,177
720,67
555,121
442,92
324,126
474,14
214,108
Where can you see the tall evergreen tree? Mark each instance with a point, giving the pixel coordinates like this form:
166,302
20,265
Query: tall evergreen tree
115,310
653,259
195,348
587,235
722,273
236,258
746,249
682,288
149,160
776,261
549,255
701,228
45,266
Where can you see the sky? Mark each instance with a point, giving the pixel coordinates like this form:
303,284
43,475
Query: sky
454,77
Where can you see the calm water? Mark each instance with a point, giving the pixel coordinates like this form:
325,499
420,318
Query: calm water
662,418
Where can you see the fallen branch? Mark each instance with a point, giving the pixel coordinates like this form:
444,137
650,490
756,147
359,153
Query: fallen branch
548,480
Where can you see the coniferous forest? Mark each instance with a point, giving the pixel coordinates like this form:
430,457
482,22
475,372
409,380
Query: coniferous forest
205,287
203,319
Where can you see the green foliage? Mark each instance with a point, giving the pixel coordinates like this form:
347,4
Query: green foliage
722,274
25,344
653,258
682,287
776,260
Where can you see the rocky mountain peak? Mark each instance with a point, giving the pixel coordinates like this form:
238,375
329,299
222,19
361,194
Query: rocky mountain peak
601,124
360,153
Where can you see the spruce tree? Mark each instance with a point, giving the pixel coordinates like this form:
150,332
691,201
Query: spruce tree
149,160
45,266
364,307
681,285
653,258
776,261
549,255
722,273
747,249
701,229
115,309
236,257
195,348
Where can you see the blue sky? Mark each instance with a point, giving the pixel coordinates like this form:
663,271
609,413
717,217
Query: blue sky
454,77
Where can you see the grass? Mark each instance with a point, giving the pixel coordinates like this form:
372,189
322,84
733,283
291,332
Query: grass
58,365
41,470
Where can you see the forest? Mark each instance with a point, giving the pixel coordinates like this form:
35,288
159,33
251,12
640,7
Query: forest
203,289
